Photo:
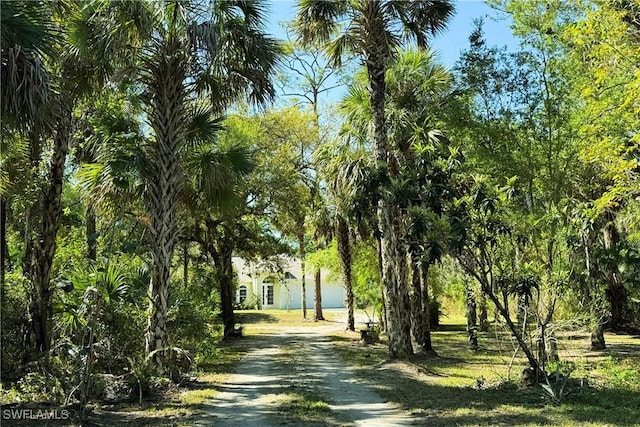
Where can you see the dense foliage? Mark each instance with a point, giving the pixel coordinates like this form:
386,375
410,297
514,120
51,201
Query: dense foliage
135,165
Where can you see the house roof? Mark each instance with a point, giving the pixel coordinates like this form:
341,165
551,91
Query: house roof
288,266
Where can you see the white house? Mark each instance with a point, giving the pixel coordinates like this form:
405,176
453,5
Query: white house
278,284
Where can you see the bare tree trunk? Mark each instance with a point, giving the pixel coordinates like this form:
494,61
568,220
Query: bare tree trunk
317,300
597,336
303,254
522,310
617,295
533,362
91,234
598,318
472,328
225,278
185,263
487,286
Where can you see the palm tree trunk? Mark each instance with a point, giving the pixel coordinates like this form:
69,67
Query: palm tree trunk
40,305
164,236
303,254
344,250
351,321
383,314
4,250
394,290
224,266
395,293
167,121
417,311
426,316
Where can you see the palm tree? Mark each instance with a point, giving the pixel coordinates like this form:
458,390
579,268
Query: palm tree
40,54
373,30
233,58
216,205
183,51
416,89
347,172
26,42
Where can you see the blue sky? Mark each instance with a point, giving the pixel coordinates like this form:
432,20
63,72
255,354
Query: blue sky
449,44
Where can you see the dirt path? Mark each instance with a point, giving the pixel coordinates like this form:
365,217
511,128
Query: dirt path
291,368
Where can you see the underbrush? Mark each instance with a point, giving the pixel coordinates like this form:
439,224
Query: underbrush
97,357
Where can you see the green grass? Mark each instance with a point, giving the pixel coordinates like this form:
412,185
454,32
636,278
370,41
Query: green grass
303,408
259,322
465,387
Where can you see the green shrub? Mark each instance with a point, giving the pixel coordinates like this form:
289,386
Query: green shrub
13,308
37,387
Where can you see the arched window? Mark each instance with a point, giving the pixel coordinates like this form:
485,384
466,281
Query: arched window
242,294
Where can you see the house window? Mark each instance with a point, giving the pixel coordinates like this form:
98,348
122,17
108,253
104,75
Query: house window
242,294
267,295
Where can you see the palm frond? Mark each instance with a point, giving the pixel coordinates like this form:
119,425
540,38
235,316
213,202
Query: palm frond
14,161
27,24
216,173
112,283
24,86
338,47
233,57
317,20
27,40
356,109
421,20
202,126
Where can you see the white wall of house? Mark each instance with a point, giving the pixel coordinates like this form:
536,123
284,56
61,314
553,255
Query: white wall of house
332,295
274,291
